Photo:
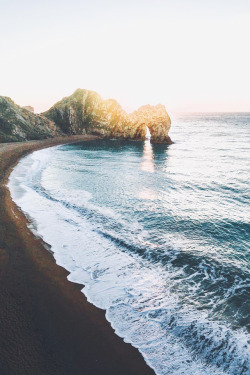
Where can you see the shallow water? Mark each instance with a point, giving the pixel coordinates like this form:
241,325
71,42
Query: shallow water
159,236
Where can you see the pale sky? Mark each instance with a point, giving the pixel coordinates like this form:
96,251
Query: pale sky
190,55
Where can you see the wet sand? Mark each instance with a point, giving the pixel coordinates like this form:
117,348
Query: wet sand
47,327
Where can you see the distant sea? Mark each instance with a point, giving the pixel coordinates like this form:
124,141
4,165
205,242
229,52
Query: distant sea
159,236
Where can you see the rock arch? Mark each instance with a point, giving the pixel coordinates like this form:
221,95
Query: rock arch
86,112
157,120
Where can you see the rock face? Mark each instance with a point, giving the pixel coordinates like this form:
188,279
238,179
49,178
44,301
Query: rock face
86,112
19,124
156,119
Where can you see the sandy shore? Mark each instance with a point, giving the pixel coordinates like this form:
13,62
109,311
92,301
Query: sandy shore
47,327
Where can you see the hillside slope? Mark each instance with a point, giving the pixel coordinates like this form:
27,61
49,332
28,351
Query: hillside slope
19,124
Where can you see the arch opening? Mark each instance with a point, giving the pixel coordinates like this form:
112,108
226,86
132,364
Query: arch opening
148,134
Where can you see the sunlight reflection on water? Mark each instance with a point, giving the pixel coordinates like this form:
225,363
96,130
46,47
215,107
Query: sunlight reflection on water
147,164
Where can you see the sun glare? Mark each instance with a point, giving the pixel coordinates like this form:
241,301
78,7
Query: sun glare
138,55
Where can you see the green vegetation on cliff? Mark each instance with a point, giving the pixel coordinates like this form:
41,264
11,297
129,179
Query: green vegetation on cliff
19,124
84,112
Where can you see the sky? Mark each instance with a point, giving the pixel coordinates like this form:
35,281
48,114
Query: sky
190,55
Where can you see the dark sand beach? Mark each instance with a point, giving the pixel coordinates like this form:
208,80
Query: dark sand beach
47,326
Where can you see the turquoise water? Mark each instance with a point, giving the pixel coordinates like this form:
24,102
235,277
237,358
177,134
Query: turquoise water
159,236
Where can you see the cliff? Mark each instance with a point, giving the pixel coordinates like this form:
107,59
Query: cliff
156,119
86,112
19,124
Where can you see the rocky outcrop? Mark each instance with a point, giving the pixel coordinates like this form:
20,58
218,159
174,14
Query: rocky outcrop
19,124
156,119
86,112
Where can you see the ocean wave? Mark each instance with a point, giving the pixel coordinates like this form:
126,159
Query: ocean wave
184,310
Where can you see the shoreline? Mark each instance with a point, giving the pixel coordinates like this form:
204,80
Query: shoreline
47,324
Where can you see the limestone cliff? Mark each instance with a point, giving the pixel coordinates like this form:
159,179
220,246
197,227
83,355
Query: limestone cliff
20,124
86,112
156,119
83,112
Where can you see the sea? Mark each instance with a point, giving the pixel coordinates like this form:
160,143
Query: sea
157,234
